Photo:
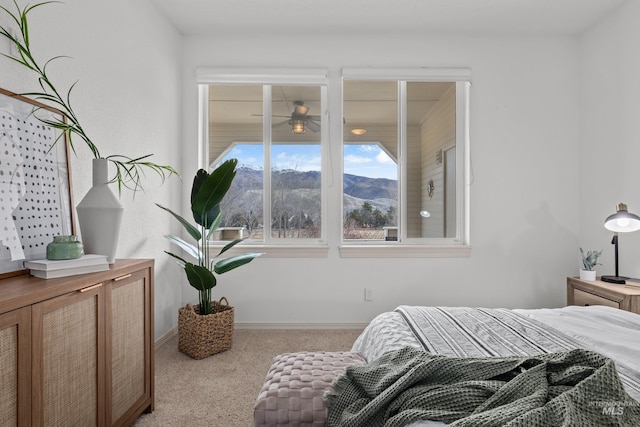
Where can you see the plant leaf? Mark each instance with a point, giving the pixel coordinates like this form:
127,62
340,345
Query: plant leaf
193,231
229,246
235,261
208,191
181,262
214,226
199,277
186,246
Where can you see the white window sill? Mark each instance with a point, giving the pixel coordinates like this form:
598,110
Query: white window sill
354,251
405,251
279,251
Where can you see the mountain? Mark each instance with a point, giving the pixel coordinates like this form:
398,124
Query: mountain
359,187
301,190
366,188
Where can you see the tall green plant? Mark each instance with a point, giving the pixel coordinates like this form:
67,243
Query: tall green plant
206,194
129,170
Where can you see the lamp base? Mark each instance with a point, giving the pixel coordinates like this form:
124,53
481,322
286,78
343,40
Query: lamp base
614,279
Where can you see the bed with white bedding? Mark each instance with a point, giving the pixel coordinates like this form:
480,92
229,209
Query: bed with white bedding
477,332
463,332
467,333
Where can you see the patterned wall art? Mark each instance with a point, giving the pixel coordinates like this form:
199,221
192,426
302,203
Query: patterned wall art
35,183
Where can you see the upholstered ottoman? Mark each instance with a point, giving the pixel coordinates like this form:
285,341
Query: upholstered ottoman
292,392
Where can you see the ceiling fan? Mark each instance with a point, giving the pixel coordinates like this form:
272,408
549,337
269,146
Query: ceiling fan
299,120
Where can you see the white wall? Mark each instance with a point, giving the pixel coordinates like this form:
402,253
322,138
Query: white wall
525,178
536,166
126,58
610,134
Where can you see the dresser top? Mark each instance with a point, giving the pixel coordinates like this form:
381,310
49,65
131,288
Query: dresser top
23,290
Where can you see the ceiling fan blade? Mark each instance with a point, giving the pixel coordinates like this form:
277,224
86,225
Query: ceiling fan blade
313,126
284,122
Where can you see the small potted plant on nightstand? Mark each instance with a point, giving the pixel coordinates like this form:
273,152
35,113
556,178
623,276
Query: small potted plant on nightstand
589,261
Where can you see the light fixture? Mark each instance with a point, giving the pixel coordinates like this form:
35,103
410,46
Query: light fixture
620,222
299,108
425,214
358,131
297,126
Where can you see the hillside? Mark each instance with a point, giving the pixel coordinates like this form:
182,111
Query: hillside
295,192
358,187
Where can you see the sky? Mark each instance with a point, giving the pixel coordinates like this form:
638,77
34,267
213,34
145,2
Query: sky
363,159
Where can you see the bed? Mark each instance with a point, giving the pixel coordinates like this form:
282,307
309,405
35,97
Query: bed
467,332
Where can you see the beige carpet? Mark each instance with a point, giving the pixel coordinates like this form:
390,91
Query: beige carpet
220,391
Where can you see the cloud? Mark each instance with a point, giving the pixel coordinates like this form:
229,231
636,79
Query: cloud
356,160
369,148
299,162
383,158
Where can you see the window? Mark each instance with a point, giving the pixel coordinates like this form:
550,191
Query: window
402,190
274,126
404,157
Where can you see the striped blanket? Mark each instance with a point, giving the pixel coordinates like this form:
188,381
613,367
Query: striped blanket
482,332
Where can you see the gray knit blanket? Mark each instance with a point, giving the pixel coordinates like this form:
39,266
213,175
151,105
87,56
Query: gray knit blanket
571,388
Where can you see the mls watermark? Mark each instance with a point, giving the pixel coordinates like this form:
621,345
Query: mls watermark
612,408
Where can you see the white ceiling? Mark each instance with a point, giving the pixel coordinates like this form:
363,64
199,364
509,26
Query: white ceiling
211,17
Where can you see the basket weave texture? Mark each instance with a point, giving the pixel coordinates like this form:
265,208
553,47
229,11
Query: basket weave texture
201,336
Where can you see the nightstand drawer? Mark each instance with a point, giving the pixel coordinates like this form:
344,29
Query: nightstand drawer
585,298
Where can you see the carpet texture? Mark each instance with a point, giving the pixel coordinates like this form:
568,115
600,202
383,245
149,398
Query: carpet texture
221,390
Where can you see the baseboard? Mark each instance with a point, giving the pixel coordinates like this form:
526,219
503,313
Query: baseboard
166,337
274,326
283,325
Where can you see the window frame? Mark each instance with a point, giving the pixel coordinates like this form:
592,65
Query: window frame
267,78
419,247
319,248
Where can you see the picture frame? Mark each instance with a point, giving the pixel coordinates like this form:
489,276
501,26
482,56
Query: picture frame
36,201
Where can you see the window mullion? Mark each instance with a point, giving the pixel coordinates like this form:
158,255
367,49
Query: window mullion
266,185
203,126
402,170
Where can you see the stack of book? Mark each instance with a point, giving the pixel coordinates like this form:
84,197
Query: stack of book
49,269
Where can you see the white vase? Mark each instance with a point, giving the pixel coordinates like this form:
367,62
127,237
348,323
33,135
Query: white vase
587,274
100,215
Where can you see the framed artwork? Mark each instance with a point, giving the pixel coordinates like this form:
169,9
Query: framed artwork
35,182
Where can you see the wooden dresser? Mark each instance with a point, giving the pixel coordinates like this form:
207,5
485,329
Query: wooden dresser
78,350
583,292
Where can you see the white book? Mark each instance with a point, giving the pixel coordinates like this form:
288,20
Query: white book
52,274
60,264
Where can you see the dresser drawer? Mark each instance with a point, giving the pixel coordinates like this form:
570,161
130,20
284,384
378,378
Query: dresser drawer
585,298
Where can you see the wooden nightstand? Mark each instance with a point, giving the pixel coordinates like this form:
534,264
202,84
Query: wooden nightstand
582,292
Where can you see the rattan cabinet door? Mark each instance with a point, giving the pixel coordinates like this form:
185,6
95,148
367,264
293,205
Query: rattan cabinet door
15,358
68,363
129,345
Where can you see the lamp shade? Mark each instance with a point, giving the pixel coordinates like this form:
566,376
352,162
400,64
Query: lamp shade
622,221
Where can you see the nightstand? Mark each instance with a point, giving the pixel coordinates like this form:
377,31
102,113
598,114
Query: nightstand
582,292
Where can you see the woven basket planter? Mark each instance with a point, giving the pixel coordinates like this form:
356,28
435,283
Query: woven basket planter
201,336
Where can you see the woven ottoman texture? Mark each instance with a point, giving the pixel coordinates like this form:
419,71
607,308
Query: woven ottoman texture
294,386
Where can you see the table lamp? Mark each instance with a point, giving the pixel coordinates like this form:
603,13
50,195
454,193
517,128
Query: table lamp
620,222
